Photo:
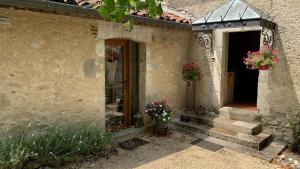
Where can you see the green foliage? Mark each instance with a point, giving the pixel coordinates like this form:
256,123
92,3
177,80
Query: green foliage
159,111
53,147
119,10
293,120
13,152
263,59
191,71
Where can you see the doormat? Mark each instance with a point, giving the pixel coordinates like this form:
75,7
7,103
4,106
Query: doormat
207,145
132,143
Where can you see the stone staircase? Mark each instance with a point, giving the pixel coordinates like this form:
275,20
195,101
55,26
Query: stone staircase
238,126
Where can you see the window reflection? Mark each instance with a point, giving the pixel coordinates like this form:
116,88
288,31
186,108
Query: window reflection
114,88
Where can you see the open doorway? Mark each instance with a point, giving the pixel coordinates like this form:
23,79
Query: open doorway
244,81
121,83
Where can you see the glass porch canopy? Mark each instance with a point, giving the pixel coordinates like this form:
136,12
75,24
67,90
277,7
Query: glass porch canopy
235,13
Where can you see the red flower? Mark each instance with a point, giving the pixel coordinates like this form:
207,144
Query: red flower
264,57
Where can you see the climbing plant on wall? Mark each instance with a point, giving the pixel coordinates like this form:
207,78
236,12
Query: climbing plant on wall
119,10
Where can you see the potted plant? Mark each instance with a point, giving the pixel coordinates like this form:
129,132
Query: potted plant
262,60
161,113
190,74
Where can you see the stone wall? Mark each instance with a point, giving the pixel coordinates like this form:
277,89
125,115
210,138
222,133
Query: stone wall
52,67
48,69
279,89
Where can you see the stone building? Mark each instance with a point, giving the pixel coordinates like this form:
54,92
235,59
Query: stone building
278,90
61,63
55,59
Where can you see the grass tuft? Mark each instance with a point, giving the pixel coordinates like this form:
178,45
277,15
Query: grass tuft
53,147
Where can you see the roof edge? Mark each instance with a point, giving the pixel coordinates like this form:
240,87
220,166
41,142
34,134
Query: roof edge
46,6
235,24
231,14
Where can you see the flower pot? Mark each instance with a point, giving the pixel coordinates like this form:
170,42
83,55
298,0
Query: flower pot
160,129
264,67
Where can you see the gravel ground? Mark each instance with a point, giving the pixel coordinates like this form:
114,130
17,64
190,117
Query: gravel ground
288,159
174,152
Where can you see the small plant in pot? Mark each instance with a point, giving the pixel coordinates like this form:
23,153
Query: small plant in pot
161,113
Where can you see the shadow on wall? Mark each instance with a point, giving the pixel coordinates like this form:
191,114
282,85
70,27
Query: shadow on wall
206,94
282,96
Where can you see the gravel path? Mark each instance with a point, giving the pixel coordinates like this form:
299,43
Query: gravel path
175,152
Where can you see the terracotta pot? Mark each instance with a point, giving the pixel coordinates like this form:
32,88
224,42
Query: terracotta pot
160,132
264,67
160,129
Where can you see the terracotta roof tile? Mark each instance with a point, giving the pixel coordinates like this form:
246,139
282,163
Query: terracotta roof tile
167,16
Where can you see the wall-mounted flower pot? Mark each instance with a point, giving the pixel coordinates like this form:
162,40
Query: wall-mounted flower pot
264,68
266,56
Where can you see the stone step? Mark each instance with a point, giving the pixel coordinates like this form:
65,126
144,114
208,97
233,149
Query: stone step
253,141
268,153
224,111
241,114
226,123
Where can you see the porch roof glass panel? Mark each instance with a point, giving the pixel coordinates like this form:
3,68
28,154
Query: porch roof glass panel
235,13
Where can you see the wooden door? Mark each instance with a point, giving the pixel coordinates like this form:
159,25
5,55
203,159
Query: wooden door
118,84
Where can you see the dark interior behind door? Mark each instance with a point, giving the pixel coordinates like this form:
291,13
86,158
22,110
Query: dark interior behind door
245,85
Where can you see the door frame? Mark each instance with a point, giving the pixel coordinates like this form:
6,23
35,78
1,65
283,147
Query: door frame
233,77
126,77
220,57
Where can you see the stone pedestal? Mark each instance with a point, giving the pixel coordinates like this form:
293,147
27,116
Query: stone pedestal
191,99
190,95
263,92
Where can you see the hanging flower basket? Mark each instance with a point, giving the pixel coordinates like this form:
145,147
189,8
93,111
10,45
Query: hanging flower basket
264,67
264,59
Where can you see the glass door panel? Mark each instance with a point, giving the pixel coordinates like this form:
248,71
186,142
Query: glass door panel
121,84
115,84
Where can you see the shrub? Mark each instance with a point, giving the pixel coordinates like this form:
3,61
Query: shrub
294,125
13,152
54,146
